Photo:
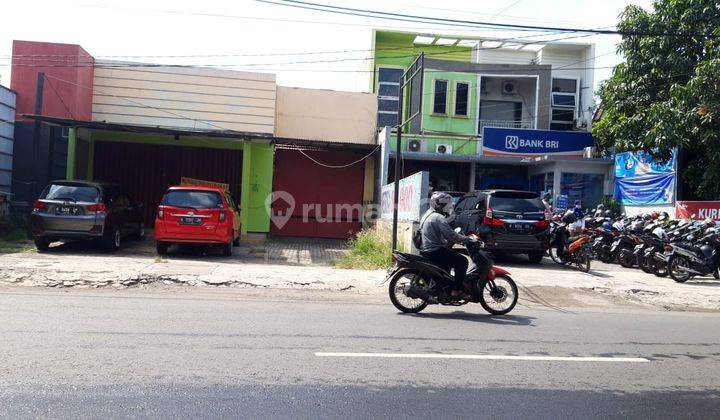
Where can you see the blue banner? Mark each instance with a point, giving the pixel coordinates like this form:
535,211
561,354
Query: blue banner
640,163
643,190
520,142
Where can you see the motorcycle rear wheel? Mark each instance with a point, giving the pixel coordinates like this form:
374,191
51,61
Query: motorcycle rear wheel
626,258
499,296
583,261
399,299
674,264
659,269
555,257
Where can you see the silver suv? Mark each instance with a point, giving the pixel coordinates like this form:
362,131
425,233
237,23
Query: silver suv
85,210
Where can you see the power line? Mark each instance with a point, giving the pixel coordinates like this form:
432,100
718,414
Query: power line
505,9
427,19
61,100
337,166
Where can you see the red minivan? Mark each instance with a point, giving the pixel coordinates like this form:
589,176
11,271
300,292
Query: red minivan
197,215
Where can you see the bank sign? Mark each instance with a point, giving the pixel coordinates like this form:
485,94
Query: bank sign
528,143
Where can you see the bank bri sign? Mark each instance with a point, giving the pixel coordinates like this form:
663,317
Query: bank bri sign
527,143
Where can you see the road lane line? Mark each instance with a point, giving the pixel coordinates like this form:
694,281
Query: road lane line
487,357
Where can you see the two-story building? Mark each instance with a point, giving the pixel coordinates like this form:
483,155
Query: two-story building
481,113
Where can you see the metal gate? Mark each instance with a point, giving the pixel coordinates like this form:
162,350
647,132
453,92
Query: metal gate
147,170
326,202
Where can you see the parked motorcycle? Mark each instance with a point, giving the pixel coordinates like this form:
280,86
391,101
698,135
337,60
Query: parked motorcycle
415,283
578,250
692,258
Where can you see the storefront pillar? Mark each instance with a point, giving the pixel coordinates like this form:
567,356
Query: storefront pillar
557,177
71,153
471,184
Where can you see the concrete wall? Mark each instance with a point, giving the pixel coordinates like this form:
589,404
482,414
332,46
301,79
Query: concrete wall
318,114
7,135
188,98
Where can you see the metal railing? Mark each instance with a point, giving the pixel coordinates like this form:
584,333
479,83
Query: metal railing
505,124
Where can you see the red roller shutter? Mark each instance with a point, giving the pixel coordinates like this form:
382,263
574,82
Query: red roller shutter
319,192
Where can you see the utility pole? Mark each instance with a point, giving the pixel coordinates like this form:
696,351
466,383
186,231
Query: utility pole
398,159
36,130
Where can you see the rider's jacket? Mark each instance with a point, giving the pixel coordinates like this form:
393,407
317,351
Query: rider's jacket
437,233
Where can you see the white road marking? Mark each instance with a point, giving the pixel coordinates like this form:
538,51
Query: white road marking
487,357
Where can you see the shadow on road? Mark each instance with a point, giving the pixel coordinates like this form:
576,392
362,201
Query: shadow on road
519,320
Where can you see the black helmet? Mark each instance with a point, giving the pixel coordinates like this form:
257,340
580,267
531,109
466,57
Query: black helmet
442,203
663,216
608,213
569,217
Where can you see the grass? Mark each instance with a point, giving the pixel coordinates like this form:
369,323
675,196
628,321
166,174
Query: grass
15,241
369,250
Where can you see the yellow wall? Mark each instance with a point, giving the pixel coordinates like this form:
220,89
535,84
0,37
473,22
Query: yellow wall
318,114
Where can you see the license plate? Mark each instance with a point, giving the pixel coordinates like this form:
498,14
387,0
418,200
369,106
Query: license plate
519,226
66,210
190,220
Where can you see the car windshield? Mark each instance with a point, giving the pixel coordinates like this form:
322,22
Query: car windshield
516,204
75,193
193,199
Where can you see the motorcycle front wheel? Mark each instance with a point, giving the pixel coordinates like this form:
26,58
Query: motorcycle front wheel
583,260
553,251
499,296
398,287
626,258
678,274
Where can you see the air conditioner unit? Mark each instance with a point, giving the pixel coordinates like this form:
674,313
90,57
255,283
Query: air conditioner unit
508,87
414,146
443,148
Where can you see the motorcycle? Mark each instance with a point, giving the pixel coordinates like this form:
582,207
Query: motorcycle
415,283
602,245
578,251
695,258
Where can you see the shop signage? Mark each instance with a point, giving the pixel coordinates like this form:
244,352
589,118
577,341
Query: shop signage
412,202
529,143
561,202
701,209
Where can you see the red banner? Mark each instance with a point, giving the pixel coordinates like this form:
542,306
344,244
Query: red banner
699,210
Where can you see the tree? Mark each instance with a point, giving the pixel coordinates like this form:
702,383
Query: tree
667,92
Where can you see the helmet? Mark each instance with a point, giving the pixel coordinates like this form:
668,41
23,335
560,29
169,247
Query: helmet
607,226
569,217
654,215
663,216
578,203
608,213
660,232
442,203
709,222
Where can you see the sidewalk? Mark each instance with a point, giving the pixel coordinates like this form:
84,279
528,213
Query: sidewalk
547,285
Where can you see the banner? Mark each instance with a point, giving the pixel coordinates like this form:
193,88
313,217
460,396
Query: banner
651,189
528,143
640,163
701,210
413,199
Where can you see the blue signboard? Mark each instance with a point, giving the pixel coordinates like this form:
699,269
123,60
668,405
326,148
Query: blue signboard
521,142
629,164
644,190
561,202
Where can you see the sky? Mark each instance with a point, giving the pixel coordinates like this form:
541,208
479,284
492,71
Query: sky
303,48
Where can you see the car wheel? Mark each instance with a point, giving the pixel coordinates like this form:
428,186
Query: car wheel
236,241
228,249
140,232
42,244
162,248
536,257
111,240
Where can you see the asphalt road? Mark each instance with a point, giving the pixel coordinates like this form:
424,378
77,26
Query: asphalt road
70,354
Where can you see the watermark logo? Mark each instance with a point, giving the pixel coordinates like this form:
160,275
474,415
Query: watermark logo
281,214
512,142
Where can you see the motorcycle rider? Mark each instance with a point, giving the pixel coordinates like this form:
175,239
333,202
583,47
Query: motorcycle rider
438,237
578,210
599,210
546,197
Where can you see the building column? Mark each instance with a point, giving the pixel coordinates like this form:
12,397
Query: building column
557,176
471,186
245,187
90,159
71,153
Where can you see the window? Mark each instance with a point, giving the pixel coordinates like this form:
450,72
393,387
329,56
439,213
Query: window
192,199
562,119
462,93
588,188
564,85
71,192
388,96
564,102
440,97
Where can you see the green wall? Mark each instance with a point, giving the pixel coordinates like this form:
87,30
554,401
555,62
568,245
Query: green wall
449,123
257,170
460,146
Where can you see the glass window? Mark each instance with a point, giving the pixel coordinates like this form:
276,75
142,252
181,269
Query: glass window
388,96
564,85
388,105
388,89
588,188
386,74
462,92
563,99
74,193
440,97
193,199
516,204
566,115
387,119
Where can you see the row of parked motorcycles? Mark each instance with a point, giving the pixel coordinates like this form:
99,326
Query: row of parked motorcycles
654,243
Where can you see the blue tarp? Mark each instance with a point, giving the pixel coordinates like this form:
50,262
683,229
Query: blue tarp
641,163
649,189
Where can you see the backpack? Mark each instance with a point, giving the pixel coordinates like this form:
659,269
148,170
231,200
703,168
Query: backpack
417,236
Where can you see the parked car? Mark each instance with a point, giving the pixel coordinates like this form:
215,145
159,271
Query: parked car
508,221
85,210
197,215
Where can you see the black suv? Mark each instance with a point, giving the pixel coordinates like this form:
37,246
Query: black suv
85,210
507,221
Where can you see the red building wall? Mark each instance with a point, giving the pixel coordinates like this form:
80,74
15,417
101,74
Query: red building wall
69,63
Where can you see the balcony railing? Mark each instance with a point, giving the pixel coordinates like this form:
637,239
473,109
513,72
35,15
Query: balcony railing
505,124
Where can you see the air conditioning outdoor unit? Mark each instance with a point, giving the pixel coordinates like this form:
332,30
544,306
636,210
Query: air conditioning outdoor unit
414,146
443,149
508,87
